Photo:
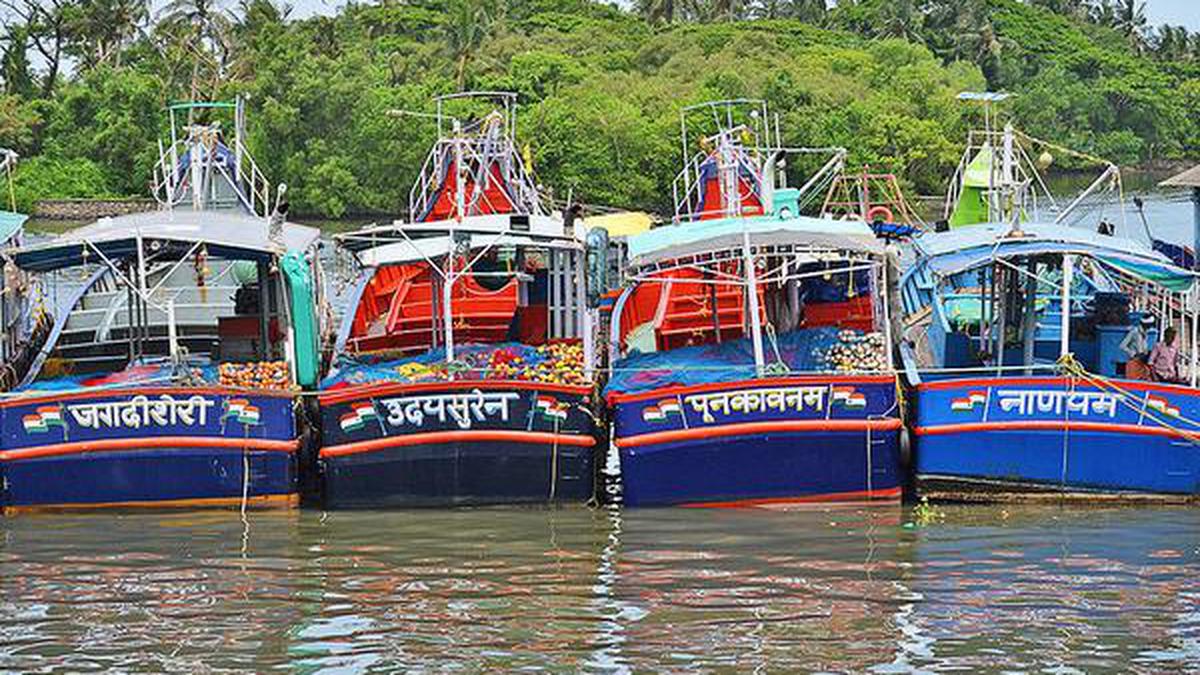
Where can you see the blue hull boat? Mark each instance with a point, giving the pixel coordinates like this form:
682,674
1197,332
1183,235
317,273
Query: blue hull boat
701,446
457,444
169,376
981,437
752,344
157,447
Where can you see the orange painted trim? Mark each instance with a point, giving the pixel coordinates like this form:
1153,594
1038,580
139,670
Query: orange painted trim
749,428
435,437
891,494
674,390
286,501
133,391
376,389
110,444
1046,425
1136,385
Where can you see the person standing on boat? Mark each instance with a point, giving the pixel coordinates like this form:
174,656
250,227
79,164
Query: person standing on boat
1164,358
1137,350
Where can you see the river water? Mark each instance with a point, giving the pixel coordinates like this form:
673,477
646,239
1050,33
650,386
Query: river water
851,589
883,589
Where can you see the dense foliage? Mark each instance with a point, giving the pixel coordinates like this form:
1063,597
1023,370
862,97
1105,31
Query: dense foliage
85,83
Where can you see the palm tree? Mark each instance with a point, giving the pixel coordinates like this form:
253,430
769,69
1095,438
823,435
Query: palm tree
199,28
14,64
468,23
812,11
250,19
254,14
102,28
202,19
1129,17
900,19
657,10
1173,43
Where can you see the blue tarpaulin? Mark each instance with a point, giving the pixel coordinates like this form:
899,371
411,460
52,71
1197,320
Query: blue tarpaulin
801,351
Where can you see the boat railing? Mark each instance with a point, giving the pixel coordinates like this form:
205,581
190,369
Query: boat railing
481,147
421,194
954,189
258,188
763,167
220,155
248,183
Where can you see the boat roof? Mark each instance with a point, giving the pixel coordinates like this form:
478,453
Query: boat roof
1189,178
402,242
698,237
947,253
623,223
10,224
227,234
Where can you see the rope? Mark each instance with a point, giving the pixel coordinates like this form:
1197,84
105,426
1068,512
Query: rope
1073,368
554,464
245,488
1062,149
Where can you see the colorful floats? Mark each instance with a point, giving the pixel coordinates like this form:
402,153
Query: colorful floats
751,346
178,339
462,373
1022,341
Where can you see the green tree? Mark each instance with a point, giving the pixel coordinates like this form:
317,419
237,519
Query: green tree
102,29
14,66
47,27
467,24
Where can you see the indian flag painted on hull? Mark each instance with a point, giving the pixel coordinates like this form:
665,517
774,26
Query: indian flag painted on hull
358,417
42,419
1161,405
242,411
659,412
551,408
968,403
848,397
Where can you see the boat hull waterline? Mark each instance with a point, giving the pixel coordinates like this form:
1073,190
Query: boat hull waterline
473,443
159,447
1013,437
761,442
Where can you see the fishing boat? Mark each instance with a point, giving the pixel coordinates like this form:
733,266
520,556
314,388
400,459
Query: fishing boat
751,344
1016,345
212,299
462,373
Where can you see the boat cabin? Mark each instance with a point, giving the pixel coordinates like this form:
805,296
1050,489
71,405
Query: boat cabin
992,299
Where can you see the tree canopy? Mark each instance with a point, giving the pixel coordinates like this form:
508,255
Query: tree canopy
85,83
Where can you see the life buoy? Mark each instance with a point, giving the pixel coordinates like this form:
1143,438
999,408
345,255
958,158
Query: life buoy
879,211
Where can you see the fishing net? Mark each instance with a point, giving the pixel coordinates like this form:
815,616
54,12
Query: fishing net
805,350
556,363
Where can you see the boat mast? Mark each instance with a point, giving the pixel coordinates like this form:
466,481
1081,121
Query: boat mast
451,243
1068,269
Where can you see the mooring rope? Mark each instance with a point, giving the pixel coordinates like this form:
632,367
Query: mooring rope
245,489
1073,369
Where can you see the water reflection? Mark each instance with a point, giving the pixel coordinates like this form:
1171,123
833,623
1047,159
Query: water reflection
1039,588
848,589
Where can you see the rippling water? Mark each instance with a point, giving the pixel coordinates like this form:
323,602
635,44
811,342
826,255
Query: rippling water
1026,588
